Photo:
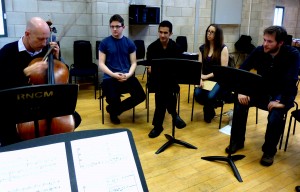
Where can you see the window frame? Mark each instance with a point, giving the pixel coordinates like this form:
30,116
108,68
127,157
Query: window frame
3,24
276,20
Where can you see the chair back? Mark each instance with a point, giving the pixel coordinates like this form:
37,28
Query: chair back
82,51
182,42
140,49
97,49
244,45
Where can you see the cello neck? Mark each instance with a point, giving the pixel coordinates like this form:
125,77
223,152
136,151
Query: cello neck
51,79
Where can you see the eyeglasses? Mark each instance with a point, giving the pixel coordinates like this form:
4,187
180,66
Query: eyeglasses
115,26
211,32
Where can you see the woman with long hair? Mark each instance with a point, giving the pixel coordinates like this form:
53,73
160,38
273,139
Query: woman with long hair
213,52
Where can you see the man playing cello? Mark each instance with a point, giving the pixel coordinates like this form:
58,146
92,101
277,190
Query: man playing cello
16,72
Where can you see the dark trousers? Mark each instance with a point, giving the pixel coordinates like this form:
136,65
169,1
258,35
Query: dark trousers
274,128
113,89
165,100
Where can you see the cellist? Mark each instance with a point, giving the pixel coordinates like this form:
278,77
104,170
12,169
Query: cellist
15,72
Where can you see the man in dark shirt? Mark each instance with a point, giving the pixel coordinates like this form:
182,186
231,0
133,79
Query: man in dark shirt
278,64
165,98
16,72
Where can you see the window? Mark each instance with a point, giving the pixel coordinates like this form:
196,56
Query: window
3,28
278,16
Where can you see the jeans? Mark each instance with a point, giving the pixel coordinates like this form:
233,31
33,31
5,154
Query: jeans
208,99
274,129
113,89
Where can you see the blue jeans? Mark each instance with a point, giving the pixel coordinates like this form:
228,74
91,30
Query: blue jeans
208,99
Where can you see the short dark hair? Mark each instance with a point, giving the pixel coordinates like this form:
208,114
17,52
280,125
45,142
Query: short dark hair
118,18
166,23
279,31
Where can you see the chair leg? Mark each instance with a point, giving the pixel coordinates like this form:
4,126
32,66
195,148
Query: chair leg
256,115
96,84
100,97
295,120
189,93
147,103
288,133
178,102
221,115
133,113
193,103
102,104
144,73
282,134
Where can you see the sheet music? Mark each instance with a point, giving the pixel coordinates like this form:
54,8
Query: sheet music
42,168
208,85
105,163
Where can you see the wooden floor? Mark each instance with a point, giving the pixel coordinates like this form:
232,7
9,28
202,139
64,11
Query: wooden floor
181,169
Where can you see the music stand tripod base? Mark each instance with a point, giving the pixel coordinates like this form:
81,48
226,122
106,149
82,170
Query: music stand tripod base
230,160
171,140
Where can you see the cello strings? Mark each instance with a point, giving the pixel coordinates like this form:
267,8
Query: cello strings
45,58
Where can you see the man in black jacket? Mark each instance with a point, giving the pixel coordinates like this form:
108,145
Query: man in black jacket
278,64
165,98
15,72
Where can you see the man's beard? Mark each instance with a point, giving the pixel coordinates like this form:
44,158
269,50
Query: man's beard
274,50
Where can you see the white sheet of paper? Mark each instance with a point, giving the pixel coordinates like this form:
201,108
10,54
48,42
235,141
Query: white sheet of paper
226,130
42,168
105,163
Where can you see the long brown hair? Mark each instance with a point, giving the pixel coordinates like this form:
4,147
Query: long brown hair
218,43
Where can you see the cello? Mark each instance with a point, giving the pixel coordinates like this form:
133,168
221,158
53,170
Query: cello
57,73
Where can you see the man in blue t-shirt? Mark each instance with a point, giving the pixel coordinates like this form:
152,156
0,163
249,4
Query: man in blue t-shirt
117,59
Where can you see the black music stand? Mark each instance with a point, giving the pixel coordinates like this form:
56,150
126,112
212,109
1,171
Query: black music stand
33,103
239,81
170,71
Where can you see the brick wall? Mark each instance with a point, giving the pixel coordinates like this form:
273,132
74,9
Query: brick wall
88,20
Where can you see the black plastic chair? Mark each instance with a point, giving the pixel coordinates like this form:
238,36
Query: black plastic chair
243,46
182,42
140,52
97,49
83,65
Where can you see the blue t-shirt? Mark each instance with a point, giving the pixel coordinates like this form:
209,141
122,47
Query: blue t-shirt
117,53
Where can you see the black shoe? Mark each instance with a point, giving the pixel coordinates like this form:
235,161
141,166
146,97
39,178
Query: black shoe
234,147
114,119
267,160
178,122
207,120
109,110
297,188
209,113
155,132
